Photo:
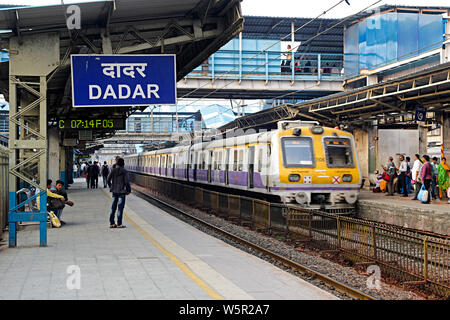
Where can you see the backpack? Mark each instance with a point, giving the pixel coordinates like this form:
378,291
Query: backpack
105,170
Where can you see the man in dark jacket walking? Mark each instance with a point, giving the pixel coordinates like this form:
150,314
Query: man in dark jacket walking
119,184
94,171
105,173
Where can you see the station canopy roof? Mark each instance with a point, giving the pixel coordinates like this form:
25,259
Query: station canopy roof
397,98
191,29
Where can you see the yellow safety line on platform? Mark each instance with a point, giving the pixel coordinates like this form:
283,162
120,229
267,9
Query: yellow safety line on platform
205,287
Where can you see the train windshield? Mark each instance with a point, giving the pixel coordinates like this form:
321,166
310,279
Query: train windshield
339,152
297,152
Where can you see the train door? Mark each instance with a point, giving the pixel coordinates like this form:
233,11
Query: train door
186,164
158,163
175,161
196,158
210,161
227,166
190,165
251,166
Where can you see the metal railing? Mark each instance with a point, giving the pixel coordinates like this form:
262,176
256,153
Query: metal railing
407,256
270,65
4,174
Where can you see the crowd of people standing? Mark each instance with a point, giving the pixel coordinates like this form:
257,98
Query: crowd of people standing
424,173
91,172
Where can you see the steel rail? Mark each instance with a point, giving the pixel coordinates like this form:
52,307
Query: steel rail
343,288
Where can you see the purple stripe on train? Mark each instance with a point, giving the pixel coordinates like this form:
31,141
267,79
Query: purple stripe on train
237,178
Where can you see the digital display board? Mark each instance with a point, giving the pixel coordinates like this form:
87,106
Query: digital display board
91,124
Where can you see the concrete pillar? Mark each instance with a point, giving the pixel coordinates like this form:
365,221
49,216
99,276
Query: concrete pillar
423,140
53,154
362,150
62,165
69,162
372,132
372,79
445,134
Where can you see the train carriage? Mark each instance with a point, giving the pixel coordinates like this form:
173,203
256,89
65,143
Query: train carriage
300,162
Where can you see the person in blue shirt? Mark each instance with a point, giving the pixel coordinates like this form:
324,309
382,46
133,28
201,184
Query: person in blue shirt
434,177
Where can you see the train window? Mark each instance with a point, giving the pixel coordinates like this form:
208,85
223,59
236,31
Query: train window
235,160
215,160
200,160
204,155
241,160
219,160
297,152
260,159
338,152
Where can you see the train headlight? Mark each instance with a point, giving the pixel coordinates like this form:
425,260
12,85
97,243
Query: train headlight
294,177
347,178
317,130
351,198
297,132
301,198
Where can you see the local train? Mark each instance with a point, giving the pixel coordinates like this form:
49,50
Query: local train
300,162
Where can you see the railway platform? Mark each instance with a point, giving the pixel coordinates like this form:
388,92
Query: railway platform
156,257
405,212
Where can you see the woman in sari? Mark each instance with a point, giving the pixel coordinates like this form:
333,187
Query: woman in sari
443,177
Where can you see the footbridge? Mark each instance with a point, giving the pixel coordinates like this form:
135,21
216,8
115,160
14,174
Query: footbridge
254,65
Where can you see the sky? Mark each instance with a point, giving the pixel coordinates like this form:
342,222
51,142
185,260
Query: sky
285,8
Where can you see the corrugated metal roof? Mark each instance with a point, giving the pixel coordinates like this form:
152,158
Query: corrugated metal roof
54,16
276,28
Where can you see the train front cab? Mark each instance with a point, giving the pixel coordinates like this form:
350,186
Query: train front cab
318,167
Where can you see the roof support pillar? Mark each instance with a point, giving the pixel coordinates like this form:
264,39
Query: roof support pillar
362,150
106,42
445,134
32,59
53,154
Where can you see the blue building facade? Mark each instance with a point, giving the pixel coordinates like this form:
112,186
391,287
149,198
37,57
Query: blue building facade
391,37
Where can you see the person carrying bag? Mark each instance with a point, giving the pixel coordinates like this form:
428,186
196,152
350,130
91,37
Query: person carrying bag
423,195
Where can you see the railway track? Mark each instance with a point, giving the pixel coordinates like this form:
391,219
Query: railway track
338,286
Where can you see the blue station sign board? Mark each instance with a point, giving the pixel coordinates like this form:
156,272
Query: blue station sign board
123,80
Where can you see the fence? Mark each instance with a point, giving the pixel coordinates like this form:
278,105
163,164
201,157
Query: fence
404,255
4,166
270,65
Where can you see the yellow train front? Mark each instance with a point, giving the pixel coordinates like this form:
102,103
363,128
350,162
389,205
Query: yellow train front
317,167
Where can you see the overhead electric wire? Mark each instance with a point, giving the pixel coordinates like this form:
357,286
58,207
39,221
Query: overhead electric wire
262,65
273,44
